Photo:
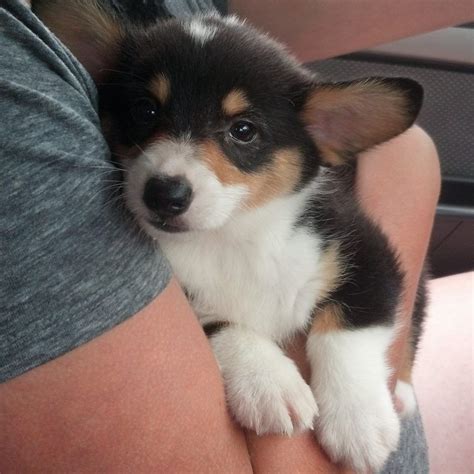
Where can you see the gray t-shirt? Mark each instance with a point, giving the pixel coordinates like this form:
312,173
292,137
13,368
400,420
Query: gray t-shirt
72,262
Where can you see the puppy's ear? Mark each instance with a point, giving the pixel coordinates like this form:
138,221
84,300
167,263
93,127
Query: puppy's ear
349,117
87,27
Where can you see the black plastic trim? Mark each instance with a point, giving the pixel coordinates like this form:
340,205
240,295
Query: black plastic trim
407,61
455,211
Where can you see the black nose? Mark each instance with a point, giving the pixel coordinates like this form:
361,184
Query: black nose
167,196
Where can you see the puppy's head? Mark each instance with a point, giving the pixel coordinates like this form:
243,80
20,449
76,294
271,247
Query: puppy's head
211,119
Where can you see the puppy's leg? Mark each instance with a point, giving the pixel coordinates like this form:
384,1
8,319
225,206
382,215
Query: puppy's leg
404,389
264,389
357,421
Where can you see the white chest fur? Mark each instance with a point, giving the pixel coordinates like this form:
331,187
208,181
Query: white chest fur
258,270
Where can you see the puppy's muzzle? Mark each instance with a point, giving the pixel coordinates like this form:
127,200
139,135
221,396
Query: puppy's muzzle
167,196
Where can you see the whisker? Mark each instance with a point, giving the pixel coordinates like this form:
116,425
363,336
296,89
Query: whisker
106,166
112,188
118,84
120,155
125,73
143,151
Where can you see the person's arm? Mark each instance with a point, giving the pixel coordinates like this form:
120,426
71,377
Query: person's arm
318,29
146,396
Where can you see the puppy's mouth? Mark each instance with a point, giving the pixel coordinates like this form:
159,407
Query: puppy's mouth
172,225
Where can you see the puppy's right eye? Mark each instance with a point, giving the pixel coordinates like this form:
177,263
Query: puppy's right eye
243,131
144,111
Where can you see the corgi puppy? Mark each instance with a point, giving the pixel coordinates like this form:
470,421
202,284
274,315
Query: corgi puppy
240,163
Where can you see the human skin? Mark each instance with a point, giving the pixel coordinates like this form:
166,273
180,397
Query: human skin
319,29
147,394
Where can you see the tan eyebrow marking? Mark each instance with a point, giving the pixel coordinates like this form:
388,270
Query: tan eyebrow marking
235,102
160,87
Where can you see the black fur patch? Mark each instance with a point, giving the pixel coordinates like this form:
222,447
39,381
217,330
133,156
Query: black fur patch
370,289
141,12
419,310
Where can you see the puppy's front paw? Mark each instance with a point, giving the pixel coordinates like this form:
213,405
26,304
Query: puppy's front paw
264,389
271,399
361,432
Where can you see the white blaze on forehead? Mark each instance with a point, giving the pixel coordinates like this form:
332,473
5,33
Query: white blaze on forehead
213,202
200,31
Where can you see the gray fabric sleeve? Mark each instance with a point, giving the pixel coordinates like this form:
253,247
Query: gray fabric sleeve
72,263
192,7
411,457
145,11
222,6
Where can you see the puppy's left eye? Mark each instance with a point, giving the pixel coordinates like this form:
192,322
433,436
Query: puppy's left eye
243,131
144,111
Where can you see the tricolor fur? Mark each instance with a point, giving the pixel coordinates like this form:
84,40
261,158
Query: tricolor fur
240,164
